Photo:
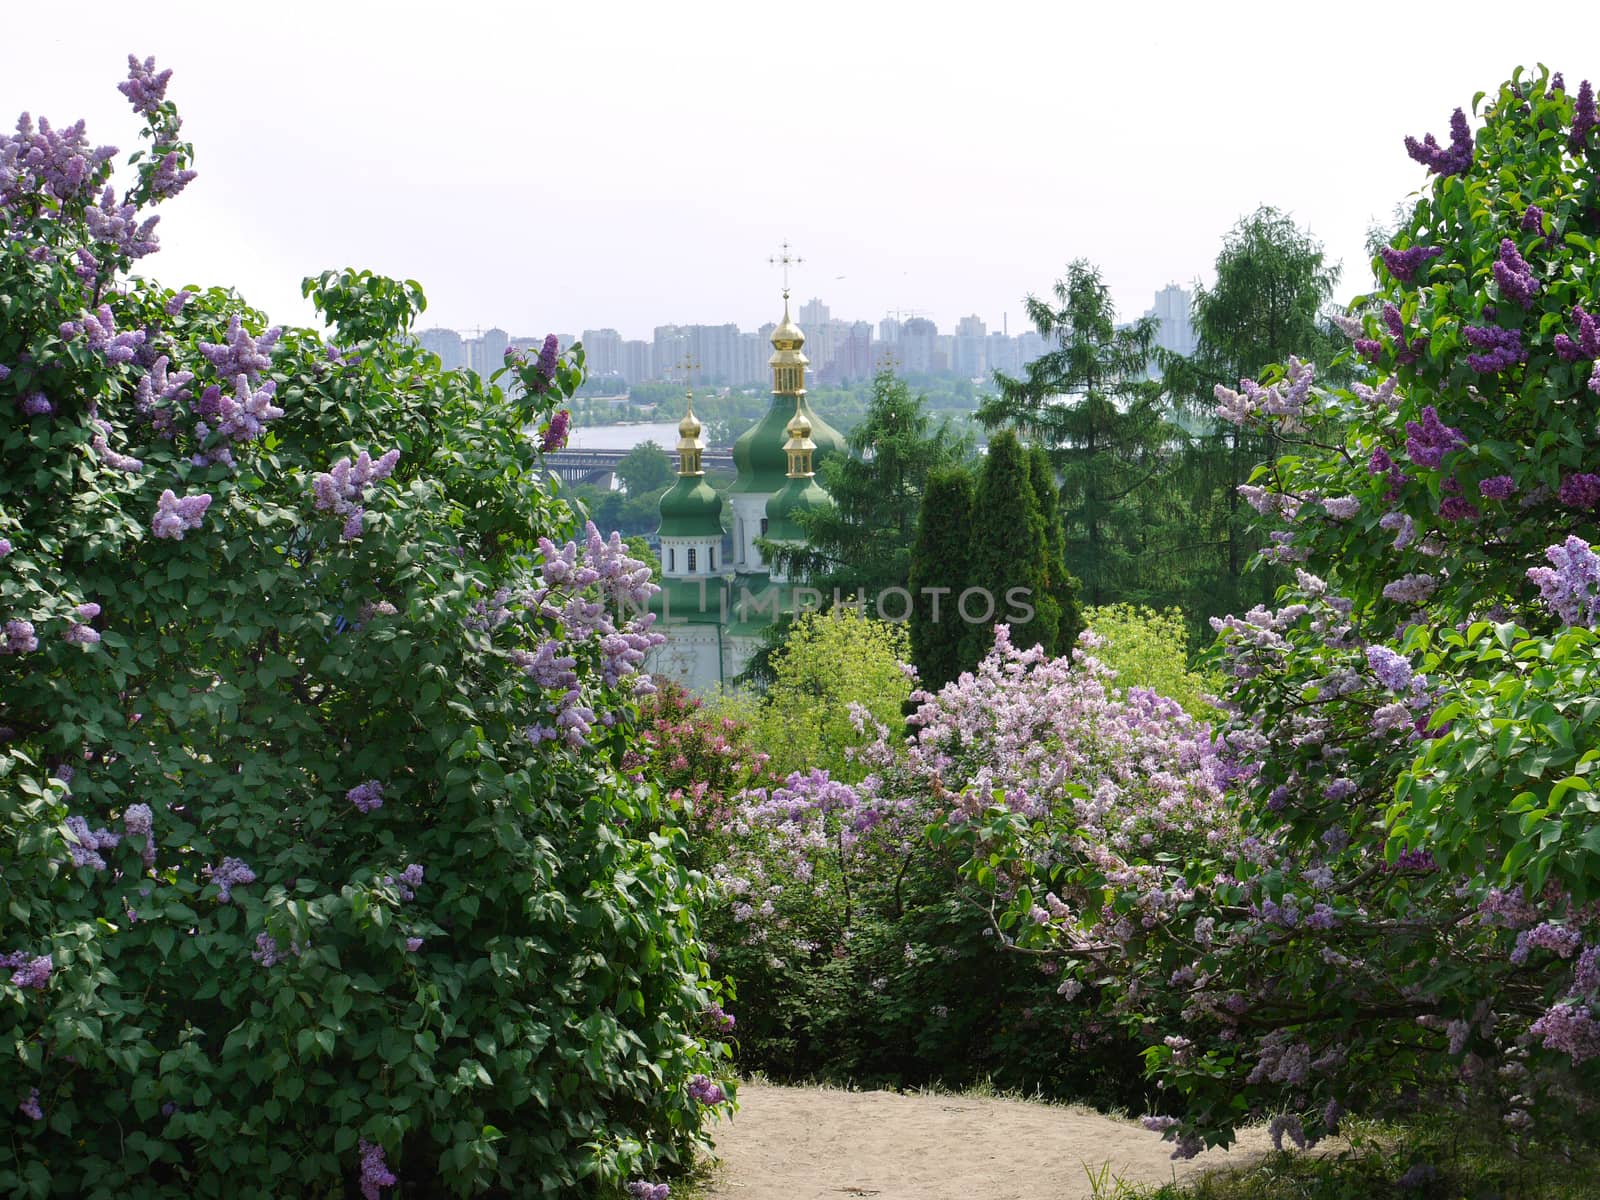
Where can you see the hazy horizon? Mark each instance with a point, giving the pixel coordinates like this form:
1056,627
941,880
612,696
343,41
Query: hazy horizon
627,166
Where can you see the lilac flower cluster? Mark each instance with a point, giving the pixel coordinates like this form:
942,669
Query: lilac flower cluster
31,971
139,821
1405,351
112,458
1580,490
1583,118
231,874
718,1021
266,952
144,88
1428,442
157,388
705,1091
1504,346
239,353
375,1172
86,845
45,161
100,330
545,371
30,1107
1588,343
1403,264
1561,940
241,417
1392,669
1285,399
555,437
406,882
118,226
1455,506
345,483
1342,508
1570,586
1452,161
20,638
1497,487
1411,589
640,1189
79,632
1515,277
366,796
413,944
1570,1029
175,517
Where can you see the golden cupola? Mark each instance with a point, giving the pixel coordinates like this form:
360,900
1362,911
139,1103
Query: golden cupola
788,361
799,447
690,444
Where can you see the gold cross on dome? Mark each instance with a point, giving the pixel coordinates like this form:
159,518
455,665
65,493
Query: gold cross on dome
785,258
688,366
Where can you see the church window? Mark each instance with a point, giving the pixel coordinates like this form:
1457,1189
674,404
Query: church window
763,527
691,560
672,564
713,558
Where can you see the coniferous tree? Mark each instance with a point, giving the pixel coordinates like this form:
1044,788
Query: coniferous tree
1011,547
861,545
1091,402
941,558
1060,587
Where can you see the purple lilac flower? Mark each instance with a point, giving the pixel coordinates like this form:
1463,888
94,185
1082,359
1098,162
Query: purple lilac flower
174,306
406,882
36,404
545,372
1586,975
239,353
702,1089
413,944
1286,1125
1580,490
80,635
1411,589
1452,161
118,226
1427,443
170,177
366,796
175,517
342,487
1588,343
1570,587
87,844
1403,264
640,1189
555,438
266,952
1515,277
233,873
145,89
30,1107
34,973
1406,351
1569,1028
1392,669
139,821
1342,508
1559,940
1415,860
718,1020
375,1172
1583,118
20,638
58,163
1497,487
1504,346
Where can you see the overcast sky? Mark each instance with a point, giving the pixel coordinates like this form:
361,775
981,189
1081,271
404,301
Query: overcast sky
558,167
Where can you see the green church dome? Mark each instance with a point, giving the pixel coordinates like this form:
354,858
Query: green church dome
759,457
691,507
798,494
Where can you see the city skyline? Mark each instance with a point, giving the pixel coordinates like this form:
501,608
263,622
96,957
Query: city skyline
627,165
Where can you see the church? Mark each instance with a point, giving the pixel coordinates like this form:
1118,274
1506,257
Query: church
715,613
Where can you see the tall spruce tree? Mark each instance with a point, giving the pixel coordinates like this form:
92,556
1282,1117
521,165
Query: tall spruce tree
862,545
1091,402
941,569
1060,587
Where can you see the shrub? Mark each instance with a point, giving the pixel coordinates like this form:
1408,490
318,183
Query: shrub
319,867
1150,649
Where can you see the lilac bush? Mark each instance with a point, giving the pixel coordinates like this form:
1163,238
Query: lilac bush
290,903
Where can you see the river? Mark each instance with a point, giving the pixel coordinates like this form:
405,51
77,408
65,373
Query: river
624,437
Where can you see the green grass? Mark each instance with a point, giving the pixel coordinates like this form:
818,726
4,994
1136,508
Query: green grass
1455,1161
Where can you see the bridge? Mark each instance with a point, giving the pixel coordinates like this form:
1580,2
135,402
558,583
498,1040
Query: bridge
599,467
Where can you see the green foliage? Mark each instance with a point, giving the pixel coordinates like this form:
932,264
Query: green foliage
1011,547
1090,402
831,663
1149,649
941,569
861,546
538,1036
639,550
645,468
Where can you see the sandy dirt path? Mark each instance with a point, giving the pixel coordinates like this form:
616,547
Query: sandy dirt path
821,1144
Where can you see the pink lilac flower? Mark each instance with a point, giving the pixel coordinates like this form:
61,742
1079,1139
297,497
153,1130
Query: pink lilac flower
144,88
413,944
